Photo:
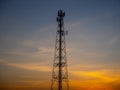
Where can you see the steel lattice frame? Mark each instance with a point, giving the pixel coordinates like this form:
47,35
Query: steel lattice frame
60,72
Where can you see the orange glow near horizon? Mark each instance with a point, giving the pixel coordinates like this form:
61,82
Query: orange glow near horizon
94,80
78,80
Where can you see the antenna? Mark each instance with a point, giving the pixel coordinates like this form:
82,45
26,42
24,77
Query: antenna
66,32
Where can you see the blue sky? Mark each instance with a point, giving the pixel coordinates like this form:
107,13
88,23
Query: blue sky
27,36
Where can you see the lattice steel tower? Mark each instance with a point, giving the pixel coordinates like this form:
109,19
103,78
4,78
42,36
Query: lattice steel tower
60,72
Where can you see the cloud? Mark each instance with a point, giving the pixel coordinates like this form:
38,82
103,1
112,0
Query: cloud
28,66
33,67
101,75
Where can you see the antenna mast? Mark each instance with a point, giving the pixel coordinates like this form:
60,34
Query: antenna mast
60,72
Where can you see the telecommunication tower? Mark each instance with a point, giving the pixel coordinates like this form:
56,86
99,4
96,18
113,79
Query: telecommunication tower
60,72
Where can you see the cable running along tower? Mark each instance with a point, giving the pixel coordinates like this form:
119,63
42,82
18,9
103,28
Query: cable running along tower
60,72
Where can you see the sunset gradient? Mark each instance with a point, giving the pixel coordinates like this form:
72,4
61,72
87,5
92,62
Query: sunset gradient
27,40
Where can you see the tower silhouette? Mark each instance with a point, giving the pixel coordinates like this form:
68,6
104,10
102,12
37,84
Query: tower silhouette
60,72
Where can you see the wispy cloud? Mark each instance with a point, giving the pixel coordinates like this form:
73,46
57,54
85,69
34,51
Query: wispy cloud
29,66
100,75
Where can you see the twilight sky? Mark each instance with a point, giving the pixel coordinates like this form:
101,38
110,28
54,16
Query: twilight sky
27,39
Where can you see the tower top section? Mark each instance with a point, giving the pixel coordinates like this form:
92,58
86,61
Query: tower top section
61,13
60,17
